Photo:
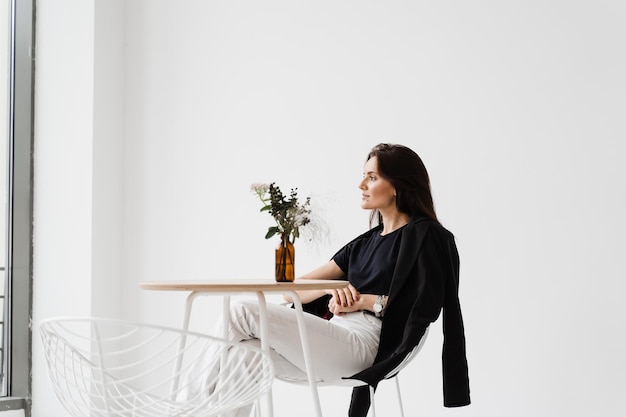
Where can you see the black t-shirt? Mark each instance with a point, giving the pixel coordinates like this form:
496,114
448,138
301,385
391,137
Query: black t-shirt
369,262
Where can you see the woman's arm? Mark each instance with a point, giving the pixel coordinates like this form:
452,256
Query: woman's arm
363,302
329,270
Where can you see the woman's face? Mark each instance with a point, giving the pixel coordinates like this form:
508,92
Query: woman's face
378,193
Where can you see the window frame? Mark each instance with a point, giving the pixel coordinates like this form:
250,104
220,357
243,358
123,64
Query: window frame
19,262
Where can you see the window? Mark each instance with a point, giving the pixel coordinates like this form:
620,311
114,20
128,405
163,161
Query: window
5,25
17,165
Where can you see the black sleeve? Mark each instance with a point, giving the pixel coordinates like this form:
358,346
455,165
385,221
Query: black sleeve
342,258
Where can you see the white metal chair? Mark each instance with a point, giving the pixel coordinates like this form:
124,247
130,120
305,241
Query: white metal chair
391,375
103,367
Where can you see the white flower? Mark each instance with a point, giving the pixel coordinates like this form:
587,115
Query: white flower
260,188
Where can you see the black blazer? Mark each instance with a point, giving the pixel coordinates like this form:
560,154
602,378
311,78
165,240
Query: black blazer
425,282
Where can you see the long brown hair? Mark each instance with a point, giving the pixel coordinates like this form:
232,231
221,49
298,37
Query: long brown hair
404,169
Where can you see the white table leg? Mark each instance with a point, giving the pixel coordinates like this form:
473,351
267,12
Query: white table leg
264,342
225,316
304,339
181,345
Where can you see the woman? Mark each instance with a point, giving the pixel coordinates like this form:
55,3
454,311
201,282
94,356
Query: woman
402,272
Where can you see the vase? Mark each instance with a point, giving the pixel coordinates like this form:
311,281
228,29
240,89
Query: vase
285,260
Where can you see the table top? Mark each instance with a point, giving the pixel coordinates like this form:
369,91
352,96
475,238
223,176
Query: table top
233,285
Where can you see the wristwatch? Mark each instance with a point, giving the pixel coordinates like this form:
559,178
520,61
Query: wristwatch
378,306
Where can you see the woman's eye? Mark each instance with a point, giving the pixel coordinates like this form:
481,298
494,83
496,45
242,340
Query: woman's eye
372,178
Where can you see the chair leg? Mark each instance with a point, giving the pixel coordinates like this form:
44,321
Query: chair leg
399,395
372,410
256,409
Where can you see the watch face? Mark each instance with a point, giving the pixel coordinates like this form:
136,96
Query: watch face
378,308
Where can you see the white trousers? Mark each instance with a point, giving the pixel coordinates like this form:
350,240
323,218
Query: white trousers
340,347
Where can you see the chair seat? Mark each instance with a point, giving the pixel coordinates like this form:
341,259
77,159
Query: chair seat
320,383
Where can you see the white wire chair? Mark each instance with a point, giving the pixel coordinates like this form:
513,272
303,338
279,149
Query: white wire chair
356,383
104,367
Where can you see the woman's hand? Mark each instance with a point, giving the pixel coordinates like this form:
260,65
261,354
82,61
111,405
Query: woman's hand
344,300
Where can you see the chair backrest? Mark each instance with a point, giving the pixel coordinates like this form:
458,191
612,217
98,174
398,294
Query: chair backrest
409,357
104,367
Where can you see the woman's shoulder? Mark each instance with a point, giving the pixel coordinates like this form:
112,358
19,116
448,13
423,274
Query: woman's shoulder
361,238
426,224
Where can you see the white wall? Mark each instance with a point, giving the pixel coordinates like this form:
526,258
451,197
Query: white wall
516,108
63,175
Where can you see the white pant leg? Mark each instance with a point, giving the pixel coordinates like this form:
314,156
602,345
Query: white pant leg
339,347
